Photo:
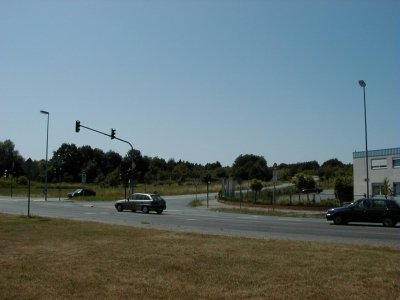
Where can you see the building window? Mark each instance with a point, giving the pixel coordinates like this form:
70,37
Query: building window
396,162
377,164
376,189
396,189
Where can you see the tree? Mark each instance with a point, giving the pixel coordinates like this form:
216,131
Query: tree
141,165
111,161
332,163
304,182
180,172
10,159
157,169
256,186
72,161
344,189
334,168
386,190
212,166
250,166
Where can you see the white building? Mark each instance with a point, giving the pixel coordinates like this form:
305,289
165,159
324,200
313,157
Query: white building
382,164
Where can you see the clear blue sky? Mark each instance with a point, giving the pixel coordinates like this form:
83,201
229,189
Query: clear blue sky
202,81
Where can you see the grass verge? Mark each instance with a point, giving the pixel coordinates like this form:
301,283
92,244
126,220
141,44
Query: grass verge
42,258
270,212
106,193
195,203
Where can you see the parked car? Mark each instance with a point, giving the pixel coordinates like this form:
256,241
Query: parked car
313,190
81,192
142,202
383,211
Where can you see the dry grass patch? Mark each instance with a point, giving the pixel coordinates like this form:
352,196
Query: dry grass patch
50,258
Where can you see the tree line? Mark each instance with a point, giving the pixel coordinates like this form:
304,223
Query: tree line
70,163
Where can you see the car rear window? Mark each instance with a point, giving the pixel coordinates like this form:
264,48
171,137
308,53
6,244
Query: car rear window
156,197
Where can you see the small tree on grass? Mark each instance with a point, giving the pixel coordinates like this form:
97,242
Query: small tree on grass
344,189
303,181
256,186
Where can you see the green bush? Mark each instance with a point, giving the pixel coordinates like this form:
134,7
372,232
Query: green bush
195,203
23,180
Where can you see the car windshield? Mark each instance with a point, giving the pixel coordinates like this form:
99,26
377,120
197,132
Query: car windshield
78,191
350,204
362,203
354,203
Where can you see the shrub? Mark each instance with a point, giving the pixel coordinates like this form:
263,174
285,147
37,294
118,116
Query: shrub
344,188
22,180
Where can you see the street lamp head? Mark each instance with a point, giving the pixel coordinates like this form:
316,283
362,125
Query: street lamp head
362,83
44,112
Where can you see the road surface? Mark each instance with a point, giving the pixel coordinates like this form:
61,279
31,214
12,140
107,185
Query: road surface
182,218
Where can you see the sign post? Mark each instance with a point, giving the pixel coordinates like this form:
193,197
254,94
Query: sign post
274,179
28,169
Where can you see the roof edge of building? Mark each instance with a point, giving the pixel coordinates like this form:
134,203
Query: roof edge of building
375,153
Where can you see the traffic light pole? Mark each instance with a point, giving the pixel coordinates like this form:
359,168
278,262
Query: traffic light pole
78,125
132,167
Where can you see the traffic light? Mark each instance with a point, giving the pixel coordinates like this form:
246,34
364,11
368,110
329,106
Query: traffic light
112,133
77,126
207,179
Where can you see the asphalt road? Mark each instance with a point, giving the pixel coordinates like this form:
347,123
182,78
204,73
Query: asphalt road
180,217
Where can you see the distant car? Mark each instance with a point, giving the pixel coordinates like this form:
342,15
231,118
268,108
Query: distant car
81,192
142,202
383,211
313,190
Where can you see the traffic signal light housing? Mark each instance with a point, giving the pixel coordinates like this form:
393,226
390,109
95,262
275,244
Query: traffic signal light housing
77,126
207,179
112,133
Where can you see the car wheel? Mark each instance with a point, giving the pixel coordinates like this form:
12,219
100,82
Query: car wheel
145,209
159,212
338,220
388,222
120,208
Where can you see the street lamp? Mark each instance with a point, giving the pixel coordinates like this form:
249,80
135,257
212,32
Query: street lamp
47,150
363,84
274,179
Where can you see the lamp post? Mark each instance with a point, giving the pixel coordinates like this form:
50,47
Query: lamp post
363,85
274,179
47,150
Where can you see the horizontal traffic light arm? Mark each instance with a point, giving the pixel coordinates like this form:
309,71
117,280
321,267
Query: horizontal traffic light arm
112,135
103,133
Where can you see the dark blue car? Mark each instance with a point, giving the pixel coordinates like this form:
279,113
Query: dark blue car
81,192
385,211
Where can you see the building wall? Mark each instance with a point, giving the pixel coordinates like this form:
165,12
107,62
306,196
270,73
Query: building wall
384,163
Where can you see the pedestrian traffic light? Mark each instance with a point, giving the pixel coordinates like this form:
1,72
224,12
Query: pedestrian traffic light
112,133
77,126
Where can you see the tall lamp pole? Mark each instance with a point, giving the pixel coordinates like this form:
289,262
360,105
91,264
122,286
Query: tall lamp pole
363,85
47,150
